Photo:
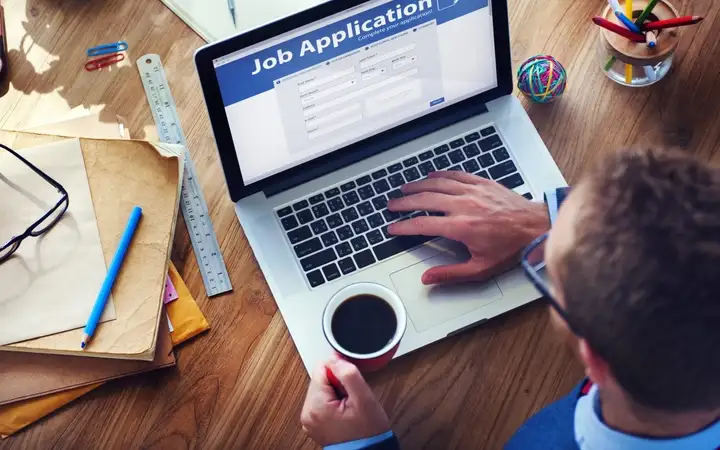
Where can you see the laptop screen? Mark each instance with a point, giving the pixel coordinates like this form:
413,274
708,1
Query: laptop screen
337,81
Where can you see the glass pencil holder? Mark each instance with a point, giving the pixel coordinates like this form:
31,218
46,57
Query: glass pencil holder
638,64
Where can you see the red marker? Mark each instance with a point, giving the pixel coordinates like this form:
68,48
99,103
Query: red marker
672,23
337,386
615,28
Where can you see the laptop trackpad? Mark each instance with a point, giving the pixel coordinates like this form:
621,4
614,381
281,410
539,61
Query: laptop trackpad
429,306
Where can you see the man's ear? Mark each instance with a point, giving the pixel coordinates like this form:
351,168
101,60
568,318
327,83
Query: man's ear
596,368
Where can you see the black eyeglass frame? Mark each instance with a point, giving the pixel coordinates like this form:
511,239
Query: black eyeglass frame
32,231
540,284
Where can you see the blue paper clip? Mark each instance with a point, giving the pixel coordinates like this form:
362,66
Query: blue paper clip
106,49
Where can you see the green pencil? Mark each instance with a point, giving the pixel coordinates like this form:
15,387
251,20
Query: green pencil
646,12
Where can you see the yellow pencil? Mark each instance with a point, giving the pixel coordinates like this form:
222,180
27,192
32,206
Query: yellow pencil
628,74
628,67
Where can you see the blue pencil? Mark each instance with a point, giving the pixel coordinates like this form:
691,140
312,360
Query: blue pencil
627,22
112,274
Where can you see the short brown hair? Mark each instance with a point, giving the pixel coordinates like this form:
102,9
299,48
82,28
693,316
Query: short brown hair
642,281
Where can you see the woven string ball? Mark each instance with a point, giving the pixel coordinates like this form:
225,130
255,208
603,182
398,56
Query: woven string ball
542,78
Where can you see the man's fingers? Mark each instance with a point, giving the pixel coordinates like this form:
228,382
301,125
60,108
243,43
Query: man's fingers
425,226
457,175
351,379
319,384
424,201
439,185
453,273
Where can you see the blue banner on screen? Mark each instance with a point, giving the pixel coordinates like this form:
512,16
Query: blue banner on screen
257,73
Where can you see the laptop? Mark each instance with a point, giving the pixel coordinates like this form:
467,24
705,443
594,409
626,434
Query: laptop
321,117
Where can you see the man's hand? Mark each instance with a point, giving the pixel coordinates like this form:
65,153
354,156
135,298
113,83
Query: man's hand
329,420
493,222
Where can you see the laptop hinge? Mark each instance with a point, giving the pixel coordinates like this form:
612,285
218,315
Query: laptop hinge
390,139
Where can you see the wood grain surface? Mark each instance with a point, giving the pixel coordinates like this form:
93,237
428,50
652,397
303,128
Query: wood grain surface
242,384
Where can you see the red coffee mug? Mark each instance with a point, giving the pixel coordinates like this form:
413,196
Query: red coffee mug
371,361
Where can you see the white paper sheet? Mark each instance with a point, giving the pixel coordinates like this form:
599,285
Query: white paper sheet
51,282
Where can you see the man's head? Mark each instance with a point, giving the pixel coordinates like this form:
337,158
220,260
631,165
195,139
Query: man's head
635,260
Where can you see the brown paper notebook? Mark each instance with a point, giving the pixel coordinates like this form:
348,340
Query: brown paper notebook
122,174
29,375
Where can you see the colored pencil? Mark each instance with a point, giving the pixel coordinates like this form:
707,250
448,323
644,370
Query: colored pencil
651,39
629,12
646,12
671,23
628,74
615,28
627,22
628,9
112,274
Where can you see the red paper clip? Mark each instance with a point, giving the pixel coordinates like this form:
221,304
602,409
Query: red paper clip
99,63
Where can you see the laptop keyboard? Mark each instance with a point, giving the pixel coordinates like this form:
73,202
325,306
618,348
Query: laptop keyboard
343,228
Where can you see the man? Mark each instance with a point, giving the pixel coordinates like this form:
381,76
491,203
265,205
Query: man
632,268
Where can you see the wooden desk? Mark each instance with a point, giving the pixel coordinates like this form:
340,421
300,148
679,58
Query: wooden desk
242,384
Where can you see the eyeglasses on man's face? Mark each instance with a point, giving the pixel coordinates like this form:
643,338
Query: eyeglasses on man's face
45,222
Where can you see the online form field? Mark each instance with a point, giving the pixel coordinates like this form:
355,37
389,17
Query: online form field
323,130
373,73
317,121
392,98
313,83
328,92
385,56
402,62
310,111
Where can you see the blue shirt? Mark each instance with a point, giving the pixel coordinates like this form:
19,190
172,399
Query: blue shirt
361,443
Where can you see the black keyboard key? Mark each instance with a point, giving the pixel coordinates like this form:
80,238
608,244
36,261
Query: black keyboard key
528,196
359,243
390,216
426,168
375,237
305,216
315,199
350,214
351,198
319,226
424,156
397,193
334,221
318,259
484,174
386,233
456,168
347,266
382,173
456,156
410,162
329,239
442,149
300,205
289,223
366,192
320,210
502,170
376,220
285,211
315,278
501,154
381,186
300,234
512,181
343,249
345,233
307,248
435,214
490,143
360,226
331,272
379,202
334,192
365,208
363,180
398,245
336,204
441,162
411,174
457,143
471,166
472,137
471,150
486,160
349,186
487,131
397,167
396,180
364,259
